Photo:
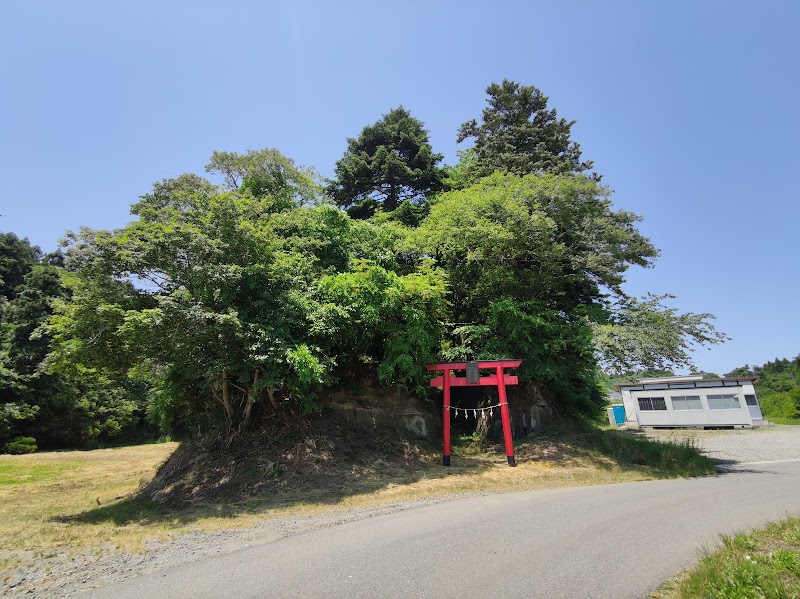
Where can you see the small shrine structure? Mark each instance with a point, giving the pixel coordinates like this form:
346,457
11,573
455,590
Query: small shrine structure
473,377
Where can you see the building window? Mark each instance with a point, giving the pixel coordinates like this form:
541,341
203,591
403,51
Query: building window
651,404
751,400
686,403
723,402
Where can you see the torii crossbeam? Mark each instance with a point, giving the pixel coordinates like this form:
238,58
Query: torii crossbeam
499,378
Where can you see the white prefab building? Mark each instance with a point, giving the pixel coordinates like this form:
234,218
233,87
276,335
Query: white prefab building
691,401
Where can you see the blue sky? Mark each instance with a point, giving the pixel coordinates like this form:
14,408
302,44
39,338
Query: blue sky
689,110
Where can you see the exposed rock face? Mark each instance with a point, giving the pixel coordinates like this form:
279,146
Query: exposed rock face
373,407
530,410
378,407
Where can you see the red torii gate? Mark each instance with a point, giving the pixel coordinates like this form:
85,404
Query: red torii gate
473,377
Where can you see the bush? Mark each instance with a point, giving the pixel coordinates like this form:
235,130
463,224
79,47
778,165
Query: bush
782,405
21,445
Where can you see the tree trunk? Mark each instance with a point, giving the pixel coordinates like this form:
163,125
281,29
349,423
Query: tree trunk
482,426
271,395
251,399
226,398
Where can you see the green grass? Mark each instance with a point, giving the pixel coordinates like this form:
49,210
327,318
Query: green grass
16,473
782,420
632,449
763,564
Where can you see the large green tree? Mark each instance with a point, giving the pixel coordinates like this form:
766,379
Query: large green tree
224,298
529,260
267,172
519,134
536,266
72,407
556,240
390,162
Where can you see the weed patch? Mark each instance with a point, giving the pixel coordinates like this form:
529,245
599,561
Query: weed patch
762,564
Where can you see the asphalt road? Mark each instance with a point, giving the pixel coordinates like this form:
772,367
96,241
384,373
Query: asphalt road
606,541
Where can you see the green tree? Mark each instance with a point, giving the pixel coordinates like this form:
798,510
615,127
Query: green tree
647,334
266,172
390,162
530,260
17,258
222,299
552,239
222,296
519,134
373,315
75,407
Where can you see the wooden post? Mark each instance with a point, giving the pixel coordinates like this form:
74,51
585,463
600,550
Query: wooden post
501,391
446,418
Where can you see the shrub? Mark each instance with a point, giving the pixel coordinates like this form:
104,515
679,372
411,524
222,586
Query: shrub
21,445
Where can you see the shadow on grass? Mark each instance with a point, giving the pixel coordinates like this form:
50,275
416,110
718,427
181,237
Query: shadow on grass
628,450
313,466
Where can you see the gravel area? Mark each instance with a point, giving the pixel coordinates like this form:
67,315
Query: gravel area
764,444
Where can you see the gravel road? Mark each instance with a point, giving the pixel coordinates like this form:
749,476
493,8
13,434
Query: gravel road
765,444
62,575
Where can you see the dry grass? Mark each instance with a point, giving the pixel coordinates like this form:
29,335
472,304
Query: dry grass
86,501
40,492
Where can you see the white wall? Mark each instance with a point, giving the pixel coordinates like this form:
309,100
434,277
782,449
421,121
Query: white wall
670,417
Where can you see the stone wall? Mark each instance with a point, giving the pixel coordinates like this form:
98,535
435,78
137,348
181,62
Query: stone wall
372,407
369,406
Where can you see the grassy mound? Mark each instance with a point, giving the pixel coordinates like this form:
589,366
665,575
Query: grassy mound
298,461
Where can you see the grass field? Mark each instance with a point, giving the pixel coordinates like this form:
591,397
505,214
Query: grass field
85,501
762,564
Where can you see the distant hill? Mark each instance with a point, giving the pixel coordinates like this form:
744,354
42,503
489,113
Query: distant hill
778,387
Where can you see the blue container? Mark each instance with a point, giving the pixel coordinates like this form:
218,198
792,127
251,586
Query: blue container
619,414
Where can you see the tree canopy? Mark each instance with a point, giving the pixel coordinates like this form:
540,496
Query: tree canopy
239,298
390,162
778,387
17,258
519,134
528,259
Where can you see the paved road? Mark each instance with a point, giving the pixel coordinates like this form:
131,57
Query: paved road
607,541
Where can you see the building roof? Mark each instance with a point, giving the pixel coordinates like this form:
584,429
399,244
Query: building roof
685,382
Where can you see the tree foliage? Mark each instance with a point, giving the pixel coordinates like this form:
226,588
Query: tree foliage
76,408
229,299
646,334
264,173
390,162
553,239
528,259
519,134
778,386
17,258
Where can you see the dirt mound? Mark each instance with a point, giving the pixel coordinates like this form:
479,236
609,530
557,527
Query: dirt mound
291,461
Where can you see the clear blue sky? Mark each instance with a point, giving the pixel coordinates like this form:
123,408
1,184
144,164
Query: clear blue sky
689,110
